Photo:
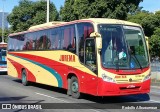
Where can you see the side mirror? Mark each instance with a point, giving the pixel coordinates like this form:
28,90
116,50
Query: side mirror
99,43
98,39
95,34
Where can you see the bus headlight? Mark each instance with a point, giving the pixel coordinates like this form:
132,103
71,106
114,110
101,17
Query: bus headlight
107,79
147,77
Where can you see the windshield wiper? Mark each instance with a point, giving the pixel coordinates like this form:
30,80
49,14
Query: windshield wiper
117,63
135,58
131,53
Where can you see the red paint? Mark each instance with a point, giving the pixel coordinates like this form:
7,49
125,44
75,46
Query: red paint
112,89
30,76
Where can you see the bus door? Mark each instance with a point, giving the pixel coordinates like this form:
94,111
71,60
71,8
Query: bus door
91,64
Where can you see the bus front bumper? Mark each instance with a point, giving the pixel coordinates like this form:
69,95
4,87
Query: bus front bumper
113,89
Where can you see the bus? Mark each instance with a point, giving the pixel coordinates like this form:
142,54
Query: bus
3,61
96,56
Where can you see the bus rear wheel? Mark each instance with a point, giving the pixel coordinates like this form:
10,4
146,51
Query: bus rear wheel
75,88
24,78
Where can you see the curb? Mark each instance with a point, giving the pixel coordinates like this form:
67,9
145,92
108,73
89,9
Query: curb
157,87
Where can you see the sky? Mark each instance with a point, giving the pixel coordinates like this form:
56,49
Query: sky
149,5
9,4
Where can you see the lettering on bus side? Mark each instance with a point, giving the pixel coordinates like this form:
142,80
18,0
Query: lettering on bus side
68,58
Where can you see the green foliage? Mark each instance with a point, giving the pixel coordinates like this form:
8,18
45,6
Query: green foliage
151,24
149,21
66,12
154,42
138,16
78,9
29,13
5,34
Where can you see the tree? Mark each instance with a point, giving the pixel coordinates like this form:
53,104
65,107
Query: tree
138,16
29,13
66,12
78,9
5,34
149,21
154,43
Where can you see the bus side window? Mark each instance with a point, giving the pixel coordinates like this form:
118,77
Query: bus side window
11,44
69,38
66,38
53,39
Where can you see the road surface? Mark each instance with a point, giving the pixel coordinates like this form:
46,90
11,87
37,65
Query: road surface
12,91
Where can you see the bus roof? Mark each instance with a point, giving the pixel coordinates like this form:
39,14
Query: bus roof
60,23
45,25
111,21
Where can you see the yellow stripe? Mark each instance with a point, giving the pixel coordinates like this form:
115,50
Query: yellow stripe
41,75
11,69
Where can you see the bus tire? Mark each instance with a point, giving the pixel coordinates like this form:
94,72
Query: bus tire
24,78
74,85
69,87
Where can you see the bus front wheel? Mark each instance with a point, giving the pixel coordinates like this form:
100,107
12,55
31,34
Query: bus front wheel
75,88
24,78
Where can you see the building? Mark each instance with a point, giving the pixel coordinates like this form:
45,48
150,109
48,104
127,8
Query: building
5,20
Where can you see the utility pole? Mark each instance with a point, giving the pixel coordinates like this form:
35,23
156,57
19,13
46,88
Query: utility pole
3,23
47,11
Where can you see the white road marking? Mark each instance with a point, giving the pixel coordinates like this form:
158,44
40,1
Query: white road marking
154,101
61,100
52,97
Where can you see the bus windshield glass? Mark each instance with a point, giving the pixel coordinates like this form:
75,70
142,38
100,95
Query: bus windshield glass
137,46
123,47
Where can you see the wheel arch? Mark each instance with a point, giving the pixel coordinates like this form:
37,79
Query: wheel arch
69,76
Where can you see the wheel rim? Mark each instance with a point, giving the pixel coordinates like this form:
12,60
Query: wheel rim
75,87
24,77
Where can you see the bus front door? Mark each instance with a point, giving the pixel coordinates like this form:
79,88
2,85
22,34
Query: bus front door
91,64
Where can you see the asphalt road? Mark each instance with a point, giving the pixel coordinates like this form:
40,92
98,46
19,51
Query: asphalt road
12,91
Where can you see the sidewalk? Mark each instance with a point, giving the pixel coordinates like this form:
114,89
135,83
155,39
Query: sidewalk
155,84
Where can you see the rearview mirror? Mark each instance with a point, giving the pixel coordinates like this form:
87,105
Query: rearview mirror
95,34
99,43
98,39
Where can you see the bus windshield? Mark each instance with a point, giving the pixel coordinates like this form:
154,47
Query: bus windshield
123,47
137,46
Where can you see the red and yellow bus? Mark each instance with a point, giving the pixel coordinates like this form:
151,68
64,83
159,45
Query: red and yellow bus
97,56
